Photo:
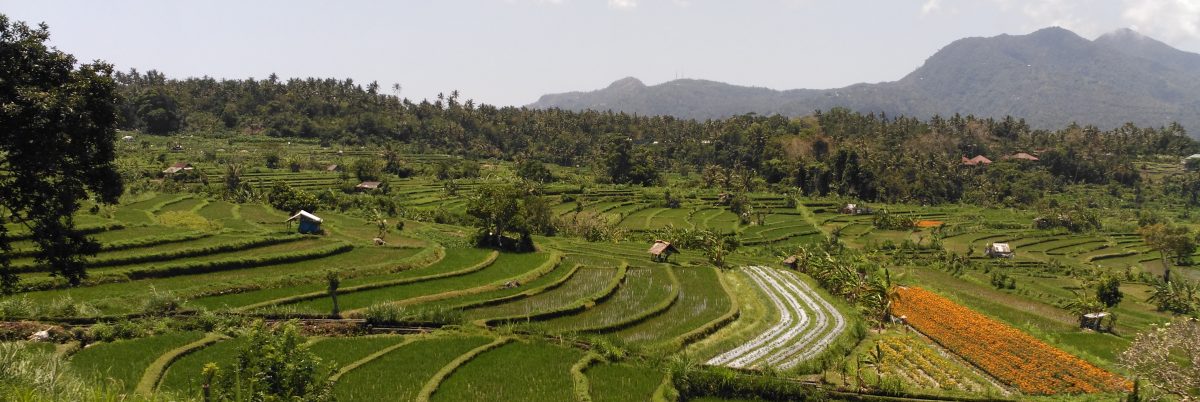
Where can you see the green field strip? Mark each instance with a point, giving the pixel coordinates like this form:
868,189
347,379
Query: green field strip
607,291
643,293
193,266
181,368
550,264
124,362
640,219
702,300
189,204
504,268
113,298
216,246
1076,246
618,382
398,264
128,245
588,283
368,284
560,275
342,352
431,386
545,375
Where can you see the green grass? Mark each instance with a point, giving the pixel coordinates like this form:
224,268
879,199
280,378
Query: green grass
622,382
124,361
346,350
184,375
506,267
400,374
544,375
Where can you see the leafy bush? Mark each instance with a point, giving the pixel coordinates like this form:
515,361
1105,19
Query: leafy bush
161,303
274,364
285,198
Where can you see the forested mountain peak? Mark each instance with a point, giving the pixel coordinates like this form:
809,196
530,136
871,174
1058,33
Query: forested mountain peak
1052,77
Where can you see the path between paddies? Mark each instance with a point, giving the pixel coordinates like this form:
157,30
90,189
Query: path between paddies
807,324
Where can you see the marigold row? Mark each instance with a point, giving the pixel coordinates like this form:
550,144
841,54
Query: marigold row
1006,353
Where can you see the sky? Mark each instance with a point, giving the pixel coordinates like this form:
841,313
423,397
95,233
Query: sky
510,52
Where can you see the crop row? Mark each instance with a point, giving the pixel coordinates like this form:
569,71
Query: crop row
190,267
244,244
644,292
586,283
704,306
372,285
576,306
1006,353
796,337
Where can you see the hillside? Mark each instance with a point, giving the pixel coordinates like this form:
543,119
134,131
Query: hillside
1050,77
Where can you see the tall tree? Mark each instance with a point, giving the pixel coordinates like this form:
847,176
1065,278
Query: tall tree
56,147
1170,241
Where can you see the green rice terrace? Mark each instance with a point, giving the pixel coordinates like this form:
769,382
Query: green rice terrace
393,301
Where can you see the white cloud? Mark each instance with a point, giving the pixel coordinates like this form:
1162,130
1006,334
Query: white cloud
930,6
622,4
1060,13
1170,20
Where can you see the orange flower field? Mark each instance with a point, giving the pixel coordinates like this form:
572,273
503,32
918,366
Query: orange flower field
1020,360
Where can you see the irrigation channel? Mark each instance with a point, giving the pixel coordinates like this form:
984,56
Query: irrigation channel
807,324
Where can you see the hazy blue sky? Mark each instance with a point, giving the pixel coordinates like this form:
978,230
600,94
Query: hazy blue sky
509,52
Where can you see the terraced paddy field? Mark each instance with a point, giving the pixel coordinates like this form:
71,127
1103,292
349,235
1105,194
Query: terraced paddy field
574,320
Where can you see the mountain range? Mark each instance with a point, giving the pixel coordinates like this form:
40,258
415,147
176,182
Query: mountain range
1051,78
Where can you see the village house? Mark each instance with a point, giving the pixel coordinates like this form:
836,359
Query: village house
368,186
976,161
176,168
309,223
999,250
855,209
661,251
1023,157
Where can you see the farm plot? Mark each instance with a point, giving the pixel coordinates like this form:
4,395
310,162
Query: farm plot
454,260
561,273
808,324
701,301
124,361
342,351
183,377
622,382
401,373
544,375
114,298
587,283
644,292
909,357
1012,356
505,268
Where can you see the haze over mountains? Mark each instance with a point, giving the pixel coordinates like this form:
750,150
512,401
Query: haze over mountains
1050,77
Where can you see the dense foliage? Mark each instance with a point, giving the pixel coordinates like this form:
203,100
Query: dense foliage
56,147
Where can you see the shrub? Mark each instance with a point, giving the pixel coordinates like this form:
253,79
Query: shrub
274,364
161,303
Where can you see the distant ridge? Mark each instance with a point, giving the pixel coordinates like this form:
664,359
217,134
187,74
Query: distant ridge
1050,77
